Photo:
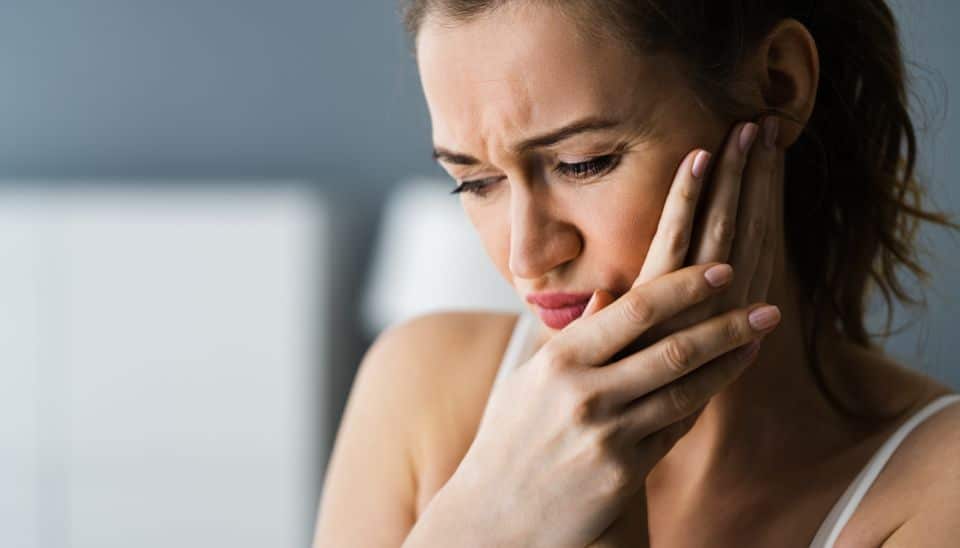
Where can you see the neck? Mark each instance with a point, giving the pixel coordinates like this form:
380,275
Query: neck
774,408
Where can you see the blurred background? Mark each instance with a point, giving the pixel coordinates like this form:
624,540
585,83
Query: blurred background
209,209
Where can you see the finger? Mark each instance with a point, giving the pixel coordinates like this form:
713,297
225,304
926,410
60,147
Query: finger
591,306
769,255
715,236
678,401
672,238
661,441
600,299
593,340
753,216
760,283
677,355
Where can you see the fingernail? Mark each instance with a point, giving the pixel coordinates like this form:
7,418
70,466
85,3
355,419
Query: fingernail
764,317
747,133
700,163
770,128
719,275
591,301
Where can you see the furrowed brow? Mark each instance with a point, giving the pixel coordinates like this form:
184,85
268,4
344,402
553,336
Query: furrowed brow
584,125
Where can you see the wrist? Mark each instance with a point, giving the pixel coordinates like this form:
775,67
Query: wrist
458,515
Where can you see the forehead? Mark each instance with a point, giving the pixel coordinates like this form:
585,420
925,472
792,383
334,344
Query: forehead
523,68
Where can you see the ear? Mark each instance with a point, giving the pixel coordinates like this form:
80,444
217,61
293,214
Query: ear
788,70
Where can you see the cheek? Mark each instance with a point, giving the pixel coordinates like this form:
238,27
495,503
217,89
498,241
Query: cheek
617,220
618,228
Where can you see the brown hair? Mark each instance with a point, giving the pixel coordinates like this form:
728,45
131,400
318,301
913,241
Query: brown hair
852,203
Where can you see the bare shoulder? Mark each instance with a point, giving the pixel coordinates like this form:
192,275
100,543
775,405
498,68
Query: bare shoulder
935,442
435,358
455,356
436,334
918,491
415,384
449,360
930,454
925,479
437,353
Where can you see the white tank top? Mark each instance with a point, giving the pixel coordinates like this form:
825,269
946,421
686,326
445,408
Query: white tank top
522,345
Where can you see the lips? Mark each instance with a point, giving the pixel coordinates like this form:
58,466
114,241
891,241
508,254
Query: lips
559,309
557,300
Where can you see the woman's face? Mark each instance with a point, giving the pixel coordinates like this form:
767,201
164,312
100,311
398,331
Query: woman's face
577,211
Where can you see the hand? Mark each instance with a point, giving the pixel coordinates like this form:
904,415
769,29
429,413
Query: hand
569,437
630,529
759,219
742,223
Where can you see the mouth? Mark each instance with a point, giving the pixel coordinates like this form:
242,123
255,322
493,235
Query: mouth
559,309
558,318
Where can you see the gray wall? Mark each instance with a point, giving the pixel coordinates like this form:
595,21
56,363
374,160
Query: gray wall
324,90
304,89
931,340
312,88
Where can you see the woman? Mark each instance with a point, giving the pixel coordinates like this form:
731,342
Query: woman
624,152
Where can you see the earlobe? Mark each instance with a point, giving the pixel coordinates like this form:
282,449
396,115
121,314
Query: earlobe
791,67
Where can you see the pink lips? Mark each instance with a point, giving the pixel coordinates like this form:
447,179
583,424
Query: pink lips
559,309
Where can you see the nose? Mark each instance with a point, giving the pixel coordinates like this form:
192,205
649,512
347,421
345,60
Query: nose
540,239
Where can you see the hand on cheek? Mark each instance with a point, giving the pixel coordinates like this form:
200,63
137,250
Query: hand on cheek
738,222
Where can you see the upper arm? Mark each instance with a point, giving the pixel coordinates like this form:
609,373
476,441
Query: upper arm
369,491
937,526
936,521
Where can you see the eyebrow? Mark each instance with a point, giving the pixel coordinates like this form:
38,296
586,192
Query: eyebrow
583,125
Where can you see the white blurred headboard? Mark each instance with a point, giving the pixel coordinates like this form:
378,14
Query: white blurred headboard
161,347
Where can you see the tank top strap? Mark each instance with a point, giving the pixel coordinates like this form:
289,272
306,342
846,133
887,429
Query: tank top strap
843,509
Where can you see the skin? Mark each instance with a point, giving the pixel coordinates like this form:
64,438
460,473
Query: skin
768,445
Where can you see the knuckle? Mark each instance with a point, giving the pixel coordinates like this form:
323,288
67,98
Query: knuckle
618,472
689,194
677,354
679,239
680,399
723,230
585,408
595,453
554,357
637,309
609,434
735,330
692,288
617,476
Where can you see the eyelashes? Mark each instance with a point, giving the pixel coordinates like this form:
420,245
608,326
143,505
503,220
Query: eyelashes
594,167
472,187
591,168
